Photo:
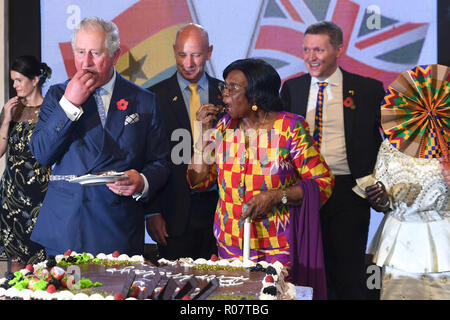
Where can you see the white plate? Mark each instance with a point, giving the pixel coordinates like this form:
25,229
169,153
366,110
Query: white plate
98,179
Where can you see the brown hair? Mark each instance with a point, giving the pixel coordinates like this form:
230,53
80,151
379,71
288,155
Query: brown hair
329,28
31,67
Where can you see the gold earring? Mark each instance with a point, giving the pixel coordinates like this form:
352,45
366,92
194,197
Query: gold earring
255,107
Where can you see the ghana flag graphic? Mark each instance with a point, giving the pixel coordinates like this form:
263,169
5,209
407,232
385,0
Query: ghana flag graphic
147,31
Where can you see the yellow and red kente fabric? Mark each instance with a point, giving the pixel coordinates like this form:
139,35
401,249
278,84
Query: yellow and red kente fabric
246,164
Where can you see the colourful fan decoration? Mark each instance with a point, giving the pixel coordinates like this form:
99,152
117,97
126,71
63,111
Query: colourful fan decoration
415,113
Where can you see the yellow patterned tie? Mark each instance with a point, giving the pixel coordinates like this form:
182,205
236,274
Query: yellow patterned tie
194,103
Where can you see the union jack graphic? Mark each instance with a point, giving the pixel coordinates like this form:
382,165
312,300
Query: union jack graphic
381,53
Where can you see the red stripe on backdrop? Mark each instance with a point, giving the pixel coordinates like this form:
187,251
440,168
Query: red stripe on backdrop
388,34
355,66
298,74
292,11
289,40
67,54
345,15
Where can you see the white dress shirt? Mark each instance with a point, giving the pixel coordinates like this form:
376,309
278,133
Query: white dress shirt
333,146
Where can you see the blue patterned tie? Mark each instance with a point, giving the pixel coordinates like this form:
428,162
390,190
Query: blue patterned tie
317,136
99,92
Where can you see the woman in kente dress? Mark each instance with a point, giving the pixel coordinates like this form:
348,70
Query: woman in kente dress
24,181
266,168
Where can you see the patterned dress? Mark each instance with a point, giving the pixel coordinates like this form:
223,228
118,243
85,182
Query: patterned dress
248,164
22,191
412,242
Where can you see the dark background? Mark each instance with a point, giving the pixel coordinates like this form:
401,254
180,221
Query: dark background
25,31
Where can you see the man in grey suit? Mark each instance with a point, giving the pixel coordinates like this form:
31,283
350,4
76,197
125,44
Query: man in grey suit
181,220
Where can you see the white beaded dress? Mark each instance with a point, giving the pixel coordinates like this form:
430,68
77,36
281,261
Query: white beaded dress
415,235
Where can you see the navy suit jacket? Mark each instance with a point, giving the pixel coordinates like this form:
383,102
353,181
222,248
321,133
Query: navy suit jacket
361,125
92,218
175,199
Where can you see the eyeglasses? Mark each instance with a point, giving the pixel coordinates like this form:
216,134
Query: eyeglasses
231,87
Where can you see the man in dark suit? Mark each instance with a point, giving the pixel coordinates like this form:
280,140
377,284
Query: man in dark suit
95,122
181,221
346,129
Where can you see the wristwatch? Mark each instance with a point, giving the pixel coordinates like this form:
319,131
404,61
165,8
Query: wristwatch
284,198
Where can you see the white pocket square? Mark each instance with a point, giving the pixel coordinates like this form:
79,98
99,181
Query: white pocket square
132,118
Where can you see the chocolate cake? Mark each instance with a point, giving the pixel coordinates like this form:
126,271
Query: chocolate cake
74,276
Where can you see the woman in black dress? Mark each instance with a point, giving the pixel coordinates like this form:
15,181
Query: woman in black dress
24,180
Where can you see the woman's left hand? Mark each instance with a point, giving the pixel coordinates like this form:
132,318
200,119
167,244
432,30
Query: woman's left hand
260,205
378,197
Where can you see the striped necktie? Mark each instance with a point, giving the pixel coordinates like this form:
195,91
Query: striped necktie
317,136
99,92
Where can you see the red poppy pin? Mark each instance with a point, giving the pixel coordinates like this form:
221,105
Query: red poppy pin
349,103
122,104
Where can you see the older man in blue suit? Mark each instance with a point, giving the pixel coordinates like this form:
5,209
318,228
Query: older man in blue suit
95,122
